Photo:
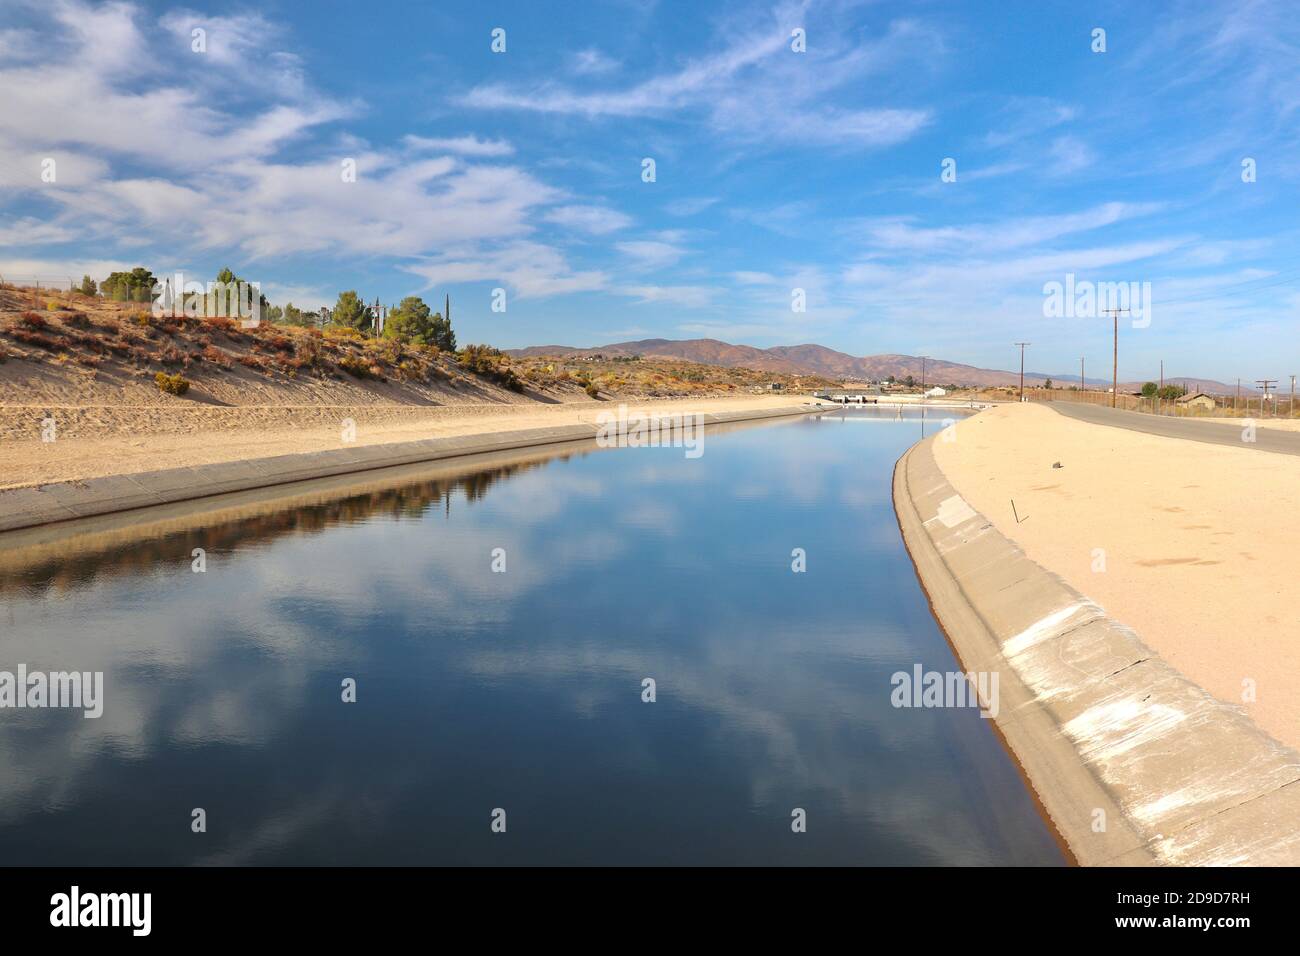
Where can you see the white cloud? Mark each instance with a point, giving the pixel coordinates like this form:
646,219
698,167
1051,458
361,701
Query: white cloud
689,207
147,156
592,63
899,235
650,254
597,220
754,87
462,145
691,296
1070,154
529,269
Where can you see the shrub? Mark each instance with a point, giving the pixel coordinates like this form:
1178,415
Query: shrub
591,389
359,367
216,356
143,319
40,340
78,319
32,320
171,384
309,350
340,332
228,327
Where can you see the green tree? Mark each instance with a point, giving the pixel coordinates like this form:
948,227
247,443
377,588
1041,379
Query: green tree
1171,392
1047,384
294,315
412,321
1149,389
349,310
89,286
134,286
230,302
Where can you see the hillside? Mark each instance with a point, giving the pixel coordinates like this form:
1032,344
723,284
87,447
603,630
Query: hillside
99,363
821,361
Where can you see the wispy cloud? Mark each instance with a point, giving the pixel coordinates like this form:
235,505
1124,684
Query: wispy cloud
754,86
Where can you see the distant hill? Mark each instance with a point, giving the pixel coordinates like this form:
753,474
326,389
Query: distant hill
818,360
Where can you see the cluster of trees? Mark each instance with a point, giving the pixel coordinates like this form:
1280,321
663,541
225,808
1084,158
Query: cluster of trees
410,321
134,286
1168,393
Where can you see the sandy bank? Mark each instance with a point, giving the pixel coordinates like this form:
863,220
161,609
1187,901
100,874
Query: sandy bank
1191,545
213,435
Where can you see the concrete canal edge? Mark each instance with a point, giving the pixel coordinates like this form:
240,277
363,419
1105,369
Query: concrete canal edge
1104,730
71,500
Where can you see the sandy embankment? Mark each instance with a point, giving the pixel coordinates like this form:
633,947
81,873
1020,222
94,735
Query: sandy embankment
235,434
1198,540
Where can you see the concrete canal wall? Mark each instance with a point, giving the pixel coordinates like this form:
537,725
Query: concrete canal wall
43,504
1132,762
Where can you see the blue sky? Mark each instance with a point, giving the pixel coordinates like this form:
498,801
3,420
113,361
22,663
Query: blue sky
775,170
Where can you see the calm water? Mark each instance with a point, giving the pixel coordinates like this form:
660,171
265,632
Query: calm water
519,690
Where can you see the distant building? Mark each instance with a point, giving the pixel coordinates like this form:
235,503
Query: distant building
775,386
1197,400
936,392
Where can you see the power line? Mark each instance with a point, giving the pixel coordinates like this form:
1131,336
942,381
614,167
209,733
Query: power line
1114,371
1022,367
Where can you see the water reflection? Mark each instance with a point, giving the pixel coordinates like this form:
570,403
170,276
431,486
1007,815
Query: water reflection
520,689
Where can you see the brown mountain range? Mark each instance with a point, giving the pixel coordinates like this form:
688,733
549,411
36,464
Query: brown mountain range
819,360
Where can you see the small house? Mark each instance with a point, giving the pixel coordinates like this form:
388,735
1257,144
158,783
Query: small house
1197,400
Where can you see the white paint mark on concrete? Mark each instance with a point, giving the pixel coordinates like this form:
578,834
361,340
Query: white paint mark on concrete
1113,728
1070,616
953,511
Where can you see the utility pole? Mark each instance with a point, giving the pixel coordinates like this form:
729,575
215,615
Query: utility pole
1022,367
1114,376
1082,387
924,358
1267,383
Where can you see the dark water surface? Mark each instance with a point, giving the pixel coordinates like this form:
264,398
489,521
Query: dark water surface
519,690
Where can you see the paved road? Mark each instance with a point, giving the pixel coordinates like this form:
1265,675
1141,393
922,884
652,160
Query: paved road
1214,433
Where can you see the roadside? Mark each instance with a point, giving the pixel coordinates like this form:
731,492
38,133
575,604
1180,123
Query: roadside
1263,434
1190,544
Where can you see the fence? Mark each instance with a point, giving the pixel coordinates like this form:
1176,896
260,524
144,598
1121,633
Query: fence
55,283
1225,406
